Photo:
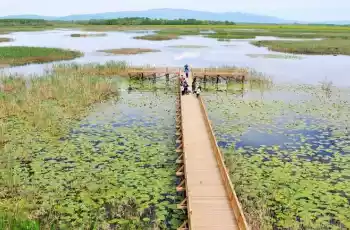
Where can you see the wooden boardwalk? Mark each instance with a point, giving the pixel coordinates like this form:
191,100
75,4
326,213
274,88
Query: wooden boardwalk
209,203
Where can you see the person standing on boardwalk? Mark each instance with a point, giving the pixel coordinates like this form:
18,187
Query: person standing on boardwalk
182,79
185,87
194,84
186,70
198,91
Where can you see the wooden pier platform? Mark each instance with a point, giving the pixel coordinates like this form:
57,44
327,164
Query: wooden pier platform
209,195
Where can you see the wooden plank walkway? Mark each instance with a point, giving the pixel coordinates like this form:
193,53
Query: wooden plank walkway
209,206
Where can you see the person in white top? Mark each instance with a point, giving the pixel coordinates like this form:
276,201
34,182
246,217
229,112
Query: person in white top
198,91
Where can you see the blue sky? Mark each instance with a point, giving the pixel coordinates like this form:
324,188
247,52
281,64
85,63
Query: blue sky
310,10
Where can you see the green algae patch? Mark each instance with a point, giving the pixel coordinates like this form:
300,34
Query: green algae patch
129,51
22,55
287,154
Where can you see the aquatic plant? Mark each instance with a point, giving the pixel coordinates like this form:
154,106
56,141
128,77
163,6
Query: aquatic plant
114,169
288,156
21,55
129,51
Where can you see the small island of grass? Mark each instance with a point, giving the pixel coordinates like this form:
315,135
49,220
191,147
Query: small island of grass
6,39
322,47
88,35
275,56
228,36
22,55
188,46
129,51
157,37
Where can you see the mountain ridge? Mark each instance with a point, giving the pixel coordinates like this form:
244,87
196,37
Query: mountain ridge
169,13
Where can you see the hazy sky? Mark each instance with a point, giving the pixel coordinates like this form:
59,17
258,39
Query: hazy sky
311,10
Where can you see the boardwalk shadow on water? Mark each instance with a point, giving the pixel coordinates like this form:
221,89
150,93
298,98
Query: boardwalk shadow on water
287,150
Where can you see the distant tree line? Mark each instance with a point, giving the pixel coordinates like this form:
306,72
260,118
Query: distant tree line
149,21
25,22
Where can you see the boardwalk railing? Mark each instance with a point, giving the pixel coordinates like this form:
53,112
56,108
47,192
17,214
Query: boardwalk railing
234,202
181,160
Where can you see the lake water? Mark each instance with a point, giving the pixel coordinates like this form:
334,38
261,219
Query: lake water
309,69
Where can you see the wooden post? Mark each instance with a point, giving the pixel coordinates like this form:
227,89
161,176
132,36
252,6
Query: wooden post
167,78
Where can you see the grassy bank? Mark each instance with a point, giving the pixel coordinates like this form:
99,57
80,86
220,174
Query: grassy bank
328,46
227,36
158,37
6,39
88,35
275,56
21,55
129,51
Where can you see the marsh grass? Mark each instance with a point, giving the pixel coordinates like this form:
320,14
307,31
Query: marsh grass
38,111
179,32
129,51
275,56
228,36
22,55
322,47
111,68
6,39
158,37
88,35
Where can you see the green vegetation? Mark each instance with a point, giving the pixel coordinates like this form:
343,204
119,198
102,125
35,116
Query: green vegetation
188,46
227,36
69,174
148,21
13,25
88,35
157,37
21,55
129,51
328,46
277,56
6,39
288,158
27,22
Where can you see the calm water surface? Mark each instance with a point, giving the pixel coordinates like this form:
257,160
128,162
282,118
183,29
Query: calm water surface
310,69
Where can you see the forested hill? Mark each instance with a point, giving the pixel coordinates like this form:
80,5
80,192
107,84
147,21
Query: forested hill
149,21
